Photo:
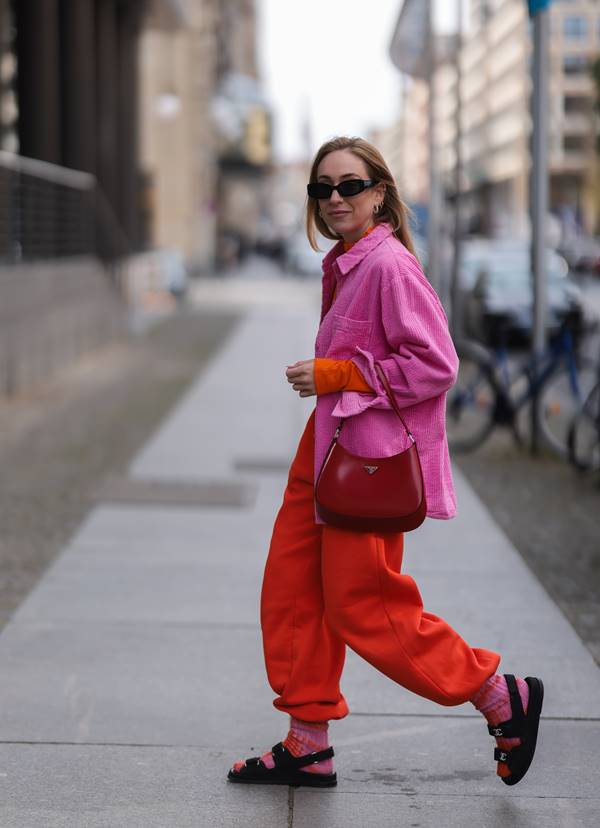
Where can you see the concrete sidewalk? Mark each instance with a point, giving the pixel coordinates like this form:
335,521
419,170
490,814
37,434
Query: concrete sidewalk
132,676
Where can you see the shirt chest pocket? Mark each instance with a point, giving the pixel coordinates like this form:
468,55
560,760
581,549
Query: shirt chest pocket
347,334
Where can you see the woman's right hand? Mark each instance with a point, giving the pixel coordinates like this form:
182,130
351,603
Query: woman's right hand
302,376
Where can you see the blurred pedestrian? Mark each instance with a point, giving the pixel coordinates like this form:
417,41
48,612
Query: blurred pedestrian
325,587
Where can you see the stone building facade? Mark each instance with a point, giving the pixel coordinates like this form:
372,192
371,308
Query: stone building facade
496,120
205,130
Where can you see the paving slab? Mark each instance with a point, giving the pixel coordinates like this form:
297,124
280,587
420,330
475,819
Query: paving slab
103,786
134,684
158,580
390,811
238,402
454,756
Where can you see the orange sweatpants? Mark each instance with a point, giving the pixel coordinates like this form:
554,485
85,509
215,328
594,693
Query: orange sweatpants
325,588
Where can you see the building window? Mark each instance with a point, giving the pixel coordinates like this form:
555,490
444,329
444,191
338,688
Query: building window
9,103
577,103
574,143
575,27
576,65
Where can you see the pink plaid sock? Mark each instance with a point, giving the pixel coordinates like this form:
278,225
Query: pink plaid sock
302,738
493,700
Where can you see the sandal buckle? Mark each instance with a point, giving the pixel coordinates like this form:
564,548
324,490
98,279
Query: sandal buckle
503,757
497,731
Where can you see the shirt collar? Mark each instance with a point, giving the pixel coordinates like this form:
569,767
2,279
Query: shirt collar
358,251
348,245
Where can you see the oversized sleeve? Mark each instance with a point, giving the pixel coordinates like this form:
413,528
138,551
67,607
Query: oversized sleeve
422,361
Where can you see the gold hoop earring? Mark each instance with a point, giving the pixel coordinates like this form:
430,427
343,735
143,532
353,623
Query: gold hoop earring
377,208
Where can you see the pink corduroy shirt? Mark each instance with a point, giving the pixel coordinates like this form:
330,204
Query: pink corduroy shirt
386,310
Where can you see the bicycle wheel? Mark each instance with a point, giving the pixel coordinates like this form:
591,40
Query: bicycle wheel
560,402
584,434
470,402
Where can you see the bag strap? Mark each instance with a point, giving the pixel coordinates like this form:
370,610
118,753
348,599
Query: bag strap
388,391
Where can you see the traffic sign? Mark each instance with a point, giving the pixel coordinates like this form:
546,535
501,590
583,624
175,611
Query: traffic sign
536,6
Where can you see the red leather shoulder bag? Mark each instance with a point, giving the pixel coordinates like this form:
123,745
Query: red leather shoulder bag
372,494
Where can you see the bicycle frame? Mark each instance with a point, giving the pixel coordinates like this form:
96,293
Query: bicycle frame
557,378
537,369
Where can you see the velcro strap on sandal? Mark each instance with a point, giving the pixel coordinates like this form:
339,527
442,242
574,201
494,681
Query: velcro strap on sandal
501,755
516,706
284,759
509,757
513,728
505,730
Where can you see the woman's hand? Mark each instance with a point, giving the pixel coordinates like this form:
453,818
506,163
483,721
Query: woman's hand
302,376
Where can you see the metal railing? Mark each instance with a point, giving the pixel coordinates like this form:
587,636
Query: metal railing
48,212
63,270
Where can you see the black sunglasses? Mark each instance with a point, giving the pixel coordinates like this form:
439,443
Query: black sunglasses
351,187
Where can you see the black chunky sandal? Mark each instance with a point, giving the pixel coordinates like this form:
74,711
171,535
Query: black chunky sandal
523,726
286,771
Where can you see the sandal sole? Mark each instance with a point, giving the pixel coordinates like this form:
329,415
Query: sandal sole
292,780
534,709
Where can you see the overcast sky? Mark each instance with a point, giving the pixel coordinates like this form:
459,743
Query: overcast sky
327,61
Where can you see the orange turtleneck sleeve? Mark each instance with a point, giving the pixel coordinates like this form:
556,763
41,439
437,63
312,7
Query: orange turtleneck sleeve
340,374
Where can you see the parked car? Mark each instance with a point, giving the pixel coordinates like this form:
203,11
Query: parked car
582,254
476,252
498,309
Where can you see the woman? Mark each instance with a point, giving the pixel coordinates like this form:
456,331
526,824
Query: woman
325,587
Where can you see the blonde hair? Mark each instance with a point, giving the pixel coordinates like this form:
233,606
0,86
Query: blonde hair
393,210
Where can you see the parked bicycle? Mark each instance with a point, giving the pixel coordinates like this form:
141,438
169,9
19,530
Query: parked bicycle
492,391
584,432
